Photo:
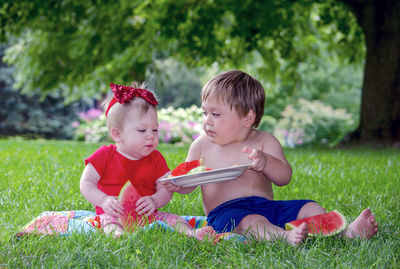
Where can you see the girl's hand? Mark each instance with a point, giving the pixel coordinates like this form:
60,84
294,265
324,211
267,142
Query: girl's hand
170,186
259,159
146,206
112,206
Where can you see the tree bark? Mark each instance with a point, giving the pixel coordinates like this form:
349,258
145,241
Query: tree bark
380,103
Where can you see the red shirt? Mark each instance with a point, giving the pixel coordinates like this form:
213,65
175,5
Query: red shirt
115,170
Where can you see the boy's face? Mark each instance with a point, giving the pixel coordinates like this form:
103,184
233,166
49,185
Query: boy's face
221,124
139,135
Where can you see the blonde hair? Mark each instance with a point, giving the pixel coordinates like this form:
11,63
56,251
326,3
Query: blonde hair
117,113
238,90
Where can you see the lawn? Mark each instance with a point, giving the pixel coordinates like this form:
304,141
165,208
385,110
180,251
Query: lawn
37,176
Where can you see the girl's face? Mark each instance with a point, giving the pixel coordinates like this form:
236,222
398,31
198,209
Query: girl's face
221,124
139,135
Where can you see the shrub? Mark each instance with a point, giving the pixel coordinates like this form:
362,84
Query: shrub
267,124
312,123
23,115
180,125
33,115
174,83
91,126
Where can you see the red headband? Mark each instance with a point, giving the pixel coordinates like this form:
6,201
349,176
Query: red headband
124,94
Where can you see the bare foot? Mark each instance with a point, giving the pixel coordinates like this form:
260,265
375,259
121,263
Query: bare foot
204,232
112,229
364,226
297,235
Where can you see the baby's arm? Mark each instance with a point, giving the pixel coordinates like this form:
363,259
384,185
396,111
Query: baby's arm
148,204
88,187
271,161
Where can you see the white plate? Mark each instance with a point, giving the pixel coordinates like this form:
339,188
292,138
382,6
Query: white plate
206,177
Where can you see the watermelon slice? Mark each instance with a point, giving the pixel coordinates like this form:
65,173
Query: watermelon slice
131,220
326,224
191,167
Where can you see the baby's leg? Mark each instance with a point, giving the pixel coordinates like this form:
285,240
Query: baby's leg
110,225
364,226
262,229
182,226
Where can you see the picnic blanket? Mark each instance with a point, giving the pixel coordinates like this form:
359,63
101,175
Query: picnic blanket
64,223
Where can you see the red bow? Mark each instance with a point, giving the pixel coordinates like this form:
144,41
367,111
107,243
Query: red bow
124,94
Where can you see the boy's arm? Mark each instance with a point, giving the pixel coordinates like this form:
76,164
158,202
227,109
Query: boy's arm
88,187
194,153
271,161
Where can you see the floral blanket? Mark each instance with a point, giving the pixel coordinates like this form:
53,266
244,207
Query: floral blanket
64,223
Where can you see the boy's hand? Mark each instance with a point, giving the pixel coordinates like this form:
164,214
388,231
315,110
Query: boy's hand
259,160
146,206
112,206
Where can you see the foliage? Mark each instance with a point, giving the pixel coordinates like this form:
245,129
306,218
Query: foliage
174,84
181,125
77,46
325,79
31,115
347,180
331,82
91,126
312,123
267,124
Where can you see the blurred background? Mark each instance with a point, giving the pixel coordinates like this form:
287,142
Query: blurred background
322,85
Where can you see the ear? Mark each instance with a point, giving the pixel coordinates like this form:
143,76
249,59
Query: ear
249,119
115,134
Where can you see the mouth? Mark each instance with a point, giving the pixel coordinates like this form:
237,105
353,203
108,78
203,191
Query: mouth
210,133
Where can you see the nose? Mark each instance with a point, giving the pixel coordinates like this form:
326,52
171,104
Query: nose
150,135
207,120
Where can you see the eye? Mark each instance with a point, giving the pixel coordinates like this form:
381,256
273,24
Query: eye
141,130
155,130
216,114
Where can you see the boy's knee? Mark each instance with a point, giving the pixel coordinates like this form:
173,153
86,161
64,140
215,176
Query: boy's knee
310,209
251,221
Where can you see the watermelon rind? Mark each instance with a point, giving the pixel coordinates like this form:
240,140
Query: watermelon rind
131,221
290,225
123,190
184,168
197,169
188,168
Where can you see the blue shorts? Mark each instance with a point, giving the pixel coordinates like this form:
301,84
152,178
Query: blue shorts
225,217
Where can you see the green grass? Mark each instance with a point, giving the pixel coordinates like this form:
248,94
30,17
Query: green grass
37,176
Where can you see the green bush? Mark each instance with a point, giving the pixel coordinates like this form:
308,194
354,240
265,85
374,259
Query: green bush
174,83
312,123
267,124
181,125
32,115
91,127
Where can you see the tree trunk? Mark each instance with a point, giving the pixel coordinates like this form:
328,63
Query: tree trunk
380,103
